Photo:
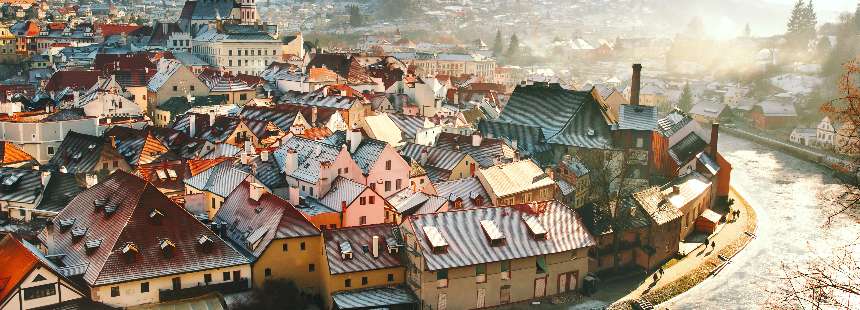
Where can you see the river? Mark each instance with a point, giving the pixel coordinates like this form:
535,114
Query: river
791,226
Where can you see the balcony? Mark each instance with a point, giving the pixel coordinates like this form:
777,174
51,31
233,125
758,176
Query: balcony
202,289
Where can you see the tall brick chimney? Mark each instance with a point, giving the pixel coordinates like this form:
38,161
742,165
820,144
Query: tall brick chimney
635,84
715,135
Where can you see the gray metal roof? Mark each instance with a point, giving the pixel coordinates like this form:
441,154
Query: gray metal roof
220,180
468,244
637,117
359,237
375,298
467,189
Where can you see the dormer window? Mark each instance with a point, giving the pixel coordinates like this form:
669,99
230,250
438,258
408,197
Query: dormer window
345,250
167,247
162,175
536,228
437,241
99,204
493,233
205,242
111,208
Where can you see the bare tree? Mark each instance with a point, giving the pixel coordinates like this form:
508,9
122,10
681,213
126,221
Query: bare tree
832,282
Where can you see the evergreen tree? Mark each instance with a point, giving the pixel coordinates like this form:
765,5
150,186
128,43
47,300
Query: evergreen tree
795,22
355,18
514,46
498,46
810,19
685,103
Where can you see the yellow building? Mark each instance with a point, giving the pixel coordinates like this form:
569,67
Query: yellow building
360,258
284,243
519,182
441,164
7,45
215,183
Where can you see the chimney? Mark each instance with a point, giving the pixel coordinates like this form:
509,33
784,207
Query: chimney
291,162
264,155
46,176
256,191
314,116
192,124
374,248
715,136
294,195
354,137
635,84
244,158
477,139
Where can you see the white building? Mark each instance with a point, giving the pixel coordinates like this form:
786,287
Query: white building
238,49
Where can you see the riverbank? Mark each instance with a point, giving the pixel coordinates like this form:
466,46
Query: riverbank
700,264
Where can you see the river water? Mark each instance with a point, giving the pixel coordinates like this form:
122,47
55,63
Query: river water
792,226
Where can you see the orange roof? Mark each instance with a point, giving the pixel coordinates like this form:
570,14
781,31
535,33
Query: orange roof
316,133
18,262
12,154
113,29
199,165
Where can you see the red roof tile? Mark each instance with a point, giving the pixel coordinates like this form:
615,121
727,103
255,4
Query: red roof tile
75,79
114,29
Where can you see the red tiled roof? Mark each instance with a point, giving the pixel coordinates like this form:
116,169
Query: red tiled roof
316,133
18,262
197,166
57,26
133,222
114,29
75,79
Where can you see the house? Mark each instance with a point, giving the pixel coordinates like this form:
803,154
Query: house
707,111
691,195
419,181
40,134
416,129
131,245
361,258
383,128
634,135
574,182
238,88
22,192
140,148
238,48
441,164
466,193
773,114
280,241
353,106
215,180
30,279
167,176
347,204
487,152
294,118
170,110
87,156
611,97
173,80
487,257
407,202
382,167
804,136
517,183
312,165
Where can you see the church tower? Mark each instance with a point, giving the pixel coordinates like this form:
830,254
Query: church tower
248,10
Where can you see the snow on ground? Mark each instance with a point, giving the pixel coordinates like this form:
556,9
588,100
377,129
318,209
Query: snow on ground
796,83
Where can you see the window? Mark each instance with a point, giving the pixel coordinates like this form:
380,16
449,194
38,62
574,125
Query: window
362,201
105,166
144,287
226,276
387,186
177,283
390,277
345,170
347,283
481,273
49,290
284,247
22,212
268,272
540,264
207,278
442,278
192,87
398,183
175,88
302,246
114,292
506,269
639,142
115,163
50,150
387,165
243,97
362,220
372,199
311,268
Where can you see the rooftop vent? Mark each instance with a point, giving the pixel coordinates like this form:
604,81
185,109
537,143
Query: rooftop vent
491,230
590,132
129,250
92,245
345,250
536,228
78,233
205,243
437,241
10,181
99,204
65,224
167,247
155,216
111,208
